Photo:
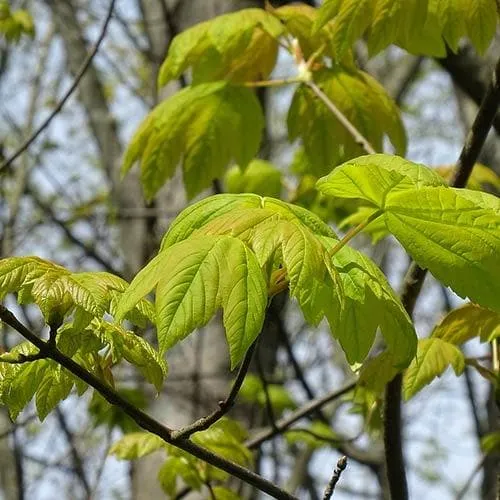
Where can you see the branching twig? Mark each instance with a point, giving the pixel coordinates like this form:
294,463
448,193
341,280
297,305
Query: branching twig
341,465
141,418
27,143
224,406
306,410
413,283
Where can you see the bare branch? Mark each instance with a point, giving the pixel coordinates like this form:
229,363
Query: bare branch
75,454
341,465
27,143
306,410
224,406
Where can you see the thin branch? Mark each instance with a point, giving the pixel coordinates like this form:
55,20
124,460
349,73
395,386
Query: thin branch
27,143
224,406
64,225
306,410
355,133
75,454
265,386
341,465
413,283
479,131
18,425
299,373
141,418
19,465
463,491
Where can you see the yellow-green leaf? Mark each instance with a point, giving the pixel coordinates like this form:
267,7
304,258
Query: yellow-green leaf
361,99
434,355
203,127
239,46
467,322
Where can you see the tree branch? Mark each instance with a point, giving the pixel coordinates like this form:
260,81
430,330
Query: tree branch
341,465
224,406
141,418
77,459
413,283
27,143
306,410
470,73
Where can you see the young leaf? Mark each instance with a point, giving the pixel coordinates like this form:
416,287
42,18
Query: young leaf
376,372
225,439
434,355
467,322
419,211
364,103
253,391
137,351
454,234
136,445
54,387
298,20
369,302
419,26
178,467
260,177
58,291
195,277
352,18
281,240
222,493
19,382
491,442
201,214
204,211
372,177
320,435
204,127
239,46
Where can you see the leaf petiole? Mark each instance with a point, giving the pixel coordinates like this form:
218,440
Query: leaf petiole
354,231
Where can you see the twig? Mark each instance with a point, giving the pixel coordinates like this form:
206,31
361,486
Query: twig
355,133
27,143
18,425
299,373
141,418
224,406
306,410
89,250
19,466
265,386
463,491
75,454
341,465
415,276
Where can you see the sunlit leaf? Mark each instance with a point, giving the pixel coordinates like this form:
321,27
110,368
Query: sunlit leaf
434,356
361,99
467,322
203,127
239,46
